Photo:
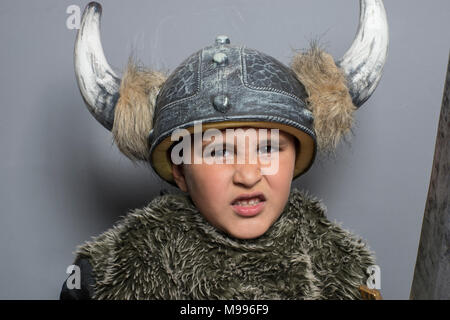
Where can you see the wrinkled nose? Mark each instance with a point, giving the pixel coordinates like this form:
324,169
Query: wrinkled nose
247,174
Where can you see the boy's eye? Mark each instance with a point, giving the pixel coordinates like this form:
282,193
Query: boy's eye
268,149
220,153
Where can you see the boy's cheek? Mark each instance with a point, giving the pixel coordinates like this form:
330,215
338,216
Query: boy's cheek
207,179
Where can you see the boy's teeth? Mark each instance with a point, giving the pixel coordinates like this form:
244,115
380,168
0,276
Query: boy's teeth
251,202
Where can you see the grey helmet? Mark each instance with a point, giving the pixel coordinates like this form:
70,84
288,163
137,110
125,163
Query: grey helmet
225,86
229,86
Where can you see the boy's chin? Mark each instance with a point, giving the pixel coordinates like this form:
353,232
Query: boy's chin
246,234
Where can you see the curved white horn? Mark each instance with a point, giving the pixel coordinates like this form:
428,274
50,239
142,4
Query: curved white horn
363,62
98,83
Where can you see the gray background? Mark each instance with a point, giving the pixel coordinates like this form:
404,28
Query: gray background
62,180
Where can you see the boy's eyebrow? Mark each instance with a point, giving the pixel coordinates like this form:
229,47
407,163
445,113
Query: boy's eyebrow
204,143
281,140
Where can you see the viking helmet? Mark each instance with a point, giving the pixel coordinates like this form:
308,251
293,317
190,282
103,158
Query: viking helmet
225,86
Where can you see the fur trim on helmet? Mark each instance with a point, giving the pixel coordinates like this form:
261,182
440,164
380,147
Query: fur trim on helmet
329,98
134,110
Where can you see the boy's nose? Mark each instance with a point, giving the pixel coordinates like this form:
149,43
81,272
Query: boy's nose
247,174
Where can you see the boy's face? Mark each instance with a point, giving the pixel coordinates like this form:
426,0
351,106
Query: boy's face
217,188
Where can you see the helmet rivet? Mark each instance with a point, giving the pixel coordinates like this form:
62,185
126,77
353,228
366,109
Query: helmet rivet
221,103
222,40
220,58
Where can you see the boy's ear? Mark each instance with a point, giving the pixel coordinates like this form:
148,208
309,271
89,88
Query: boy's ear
178,175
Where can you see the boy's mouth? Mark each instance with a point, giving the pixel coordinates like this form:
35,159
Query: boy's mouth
249,199
249,205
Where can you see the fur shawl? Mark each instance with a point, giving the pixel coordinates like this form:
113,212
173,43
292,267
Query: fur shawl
167,250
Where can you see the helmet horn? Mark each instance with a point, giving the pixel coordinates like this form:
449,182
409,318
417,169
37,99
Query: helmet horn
363,63
98,83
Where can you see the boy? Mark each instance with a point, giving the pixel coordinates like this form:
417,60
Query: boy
248,126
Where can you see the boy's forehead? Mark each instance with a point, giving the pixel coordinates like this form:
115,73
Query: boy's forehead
237,131
246,130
